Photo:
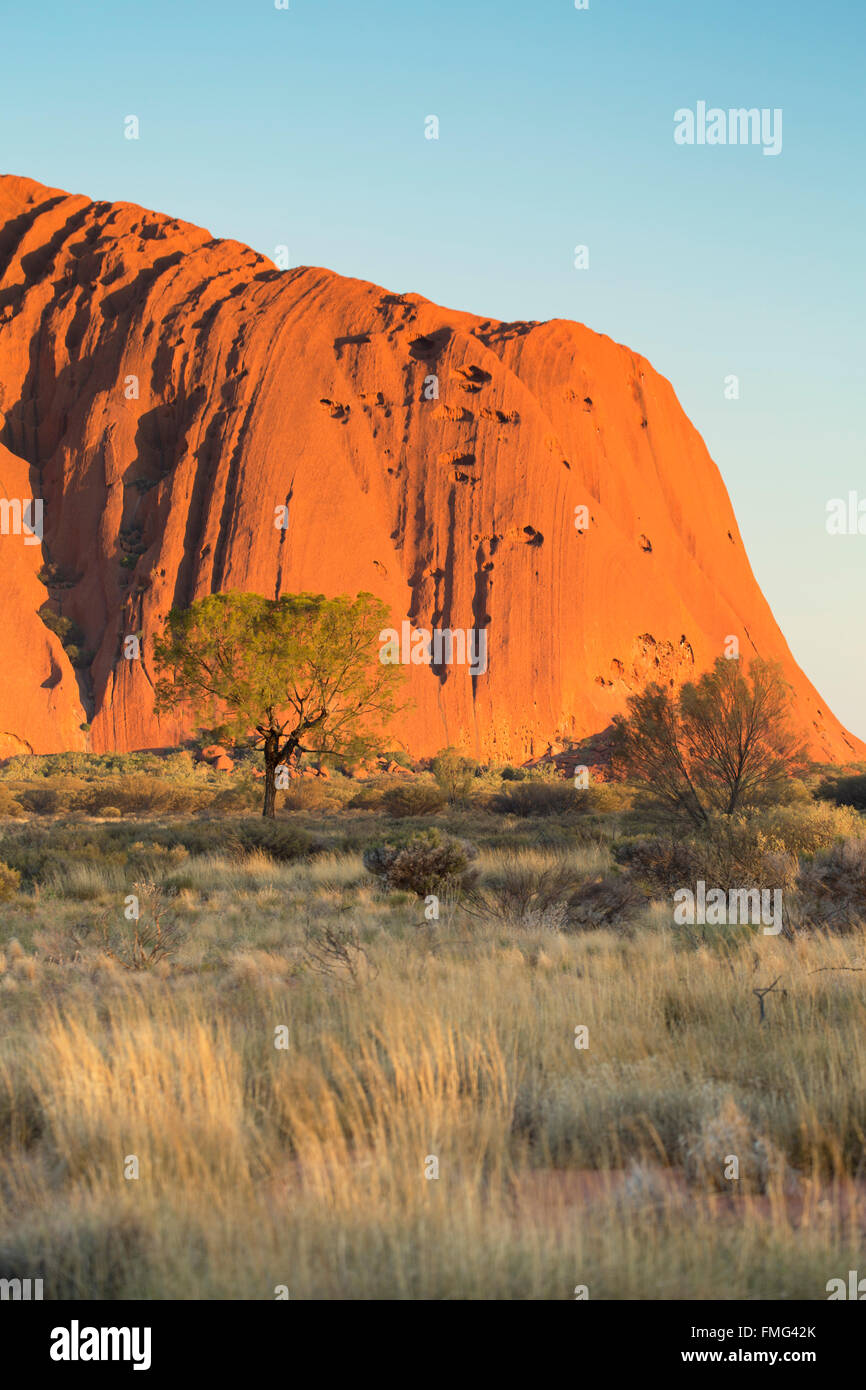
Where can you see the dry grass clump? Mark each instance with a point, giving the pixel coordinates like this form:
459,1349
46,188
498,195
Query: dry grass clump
556,895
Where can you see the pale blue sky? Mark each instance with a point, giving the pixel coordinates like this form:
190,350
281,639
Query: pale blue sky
306,127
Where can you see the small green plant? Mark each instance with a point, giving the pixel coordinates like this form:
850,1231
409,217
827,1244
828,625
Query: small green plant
68,632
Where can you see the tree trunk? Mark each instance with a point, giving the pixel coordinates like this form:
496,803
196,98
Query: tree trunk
272,758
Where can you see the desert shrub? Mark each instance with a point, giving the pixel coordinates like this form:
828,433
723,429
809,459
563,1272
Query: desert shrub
279,840
134,793
139,792
10,805
724,1133
609,797
845,791
794,791
607,900
423,863
308,795
728,852
111,812
526,897
151,937
413,799
663,863
42,801
454,773
831,887
805,828
513,774
241,795
399,757
334,950
10,881
542,798
721,744
367,799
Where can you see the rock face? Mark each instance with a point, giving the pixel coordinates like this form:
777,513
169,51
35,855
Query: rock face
40,707
173,399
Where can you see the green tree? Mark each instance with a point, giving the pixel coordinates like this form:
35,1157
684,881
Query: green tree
454,773
724,743
297,674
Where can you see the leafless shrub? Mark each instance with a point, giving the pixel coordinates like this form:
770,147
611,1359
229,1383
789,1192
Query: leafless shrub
141,942
831,887
725,1134
335,951
608,900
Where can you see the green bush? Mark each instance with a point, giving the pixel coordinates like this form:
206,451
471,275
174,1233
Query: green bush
313,794
424,863
132,794
454,773
845,791
542,798
413,799
367,799
44,801
399,757
240,796
755,850
663,863
278,839
10,881
806,828
9,805
37,848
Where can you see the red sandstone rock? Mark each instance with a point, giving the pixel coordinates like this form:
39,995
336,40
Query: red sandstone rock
40,706
223,763
168,392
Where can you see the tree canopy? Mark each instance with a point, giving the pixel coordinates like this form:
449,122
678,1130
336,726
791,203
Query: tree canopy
295,674
721,744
